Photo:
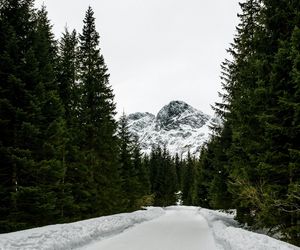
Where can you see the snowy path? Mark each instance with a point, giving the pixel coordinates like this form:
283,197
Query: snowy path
181,228
171,228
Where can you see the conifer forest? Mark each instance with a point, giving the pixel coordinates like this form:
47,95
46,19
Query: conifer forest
65,157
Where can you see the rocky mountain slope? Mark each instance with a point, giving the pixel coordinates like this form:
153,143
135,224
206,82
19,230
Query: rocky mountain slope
177,125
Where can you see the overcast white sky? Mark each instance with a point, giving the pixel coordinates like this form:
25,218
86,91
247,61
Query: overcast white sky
157,50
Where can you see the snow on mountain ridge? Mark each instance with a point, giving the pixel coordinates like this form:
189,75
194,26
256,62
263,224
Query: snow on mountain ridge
178,126
174,114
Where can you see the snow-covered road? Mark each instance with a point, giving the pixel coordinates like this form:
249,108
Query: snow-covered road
155,228
179,228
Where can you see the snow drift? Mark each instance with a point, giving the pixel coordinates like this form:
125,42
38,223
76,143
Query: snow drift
72,235
229,237
224,229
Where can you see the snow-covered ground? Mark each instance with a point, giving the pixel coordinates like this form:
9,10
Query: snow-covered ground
180,228
228,236
172,228
73,235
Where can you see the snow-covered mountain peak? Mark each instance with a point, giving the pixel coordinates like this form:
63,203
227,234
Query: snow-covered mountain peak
178,126
173,109
178,113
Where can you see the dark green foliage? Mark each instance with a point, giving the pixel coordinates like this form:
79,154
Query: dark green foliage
130,163
67,75
98,144
214,170
134,169
257,148
163,177
32,118
189,188
14,104
205,173
58,149
169,184
60,157
142,168
179,171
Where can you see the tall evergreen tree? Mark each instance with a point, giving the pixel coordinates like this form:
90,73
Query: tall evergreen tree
259,110
205,175
97,110
67,77
129,172
142,169
33,157
17,31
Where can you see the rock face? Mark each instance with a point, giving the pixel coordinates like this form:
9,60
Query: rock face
178,126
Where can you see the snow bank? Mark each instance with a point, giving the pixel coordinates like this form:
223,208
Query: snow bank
229,237
72,235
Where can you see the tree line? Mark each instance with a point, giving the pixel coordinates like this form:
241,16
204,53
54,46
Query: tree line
63,155
252,162
60,155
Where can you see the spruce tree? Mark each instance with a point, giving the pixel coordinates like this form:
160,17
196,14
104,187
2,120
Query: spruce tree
32,155
17,31
55,136
142,168
68,75
162,168
129,171
169,183
96,116
67,78
259,110
205,175
189,192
